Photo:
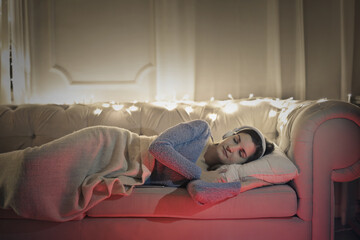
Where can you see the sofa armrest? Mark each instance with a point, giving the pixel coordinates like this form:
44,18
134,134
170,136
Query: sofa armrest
346,174
324,141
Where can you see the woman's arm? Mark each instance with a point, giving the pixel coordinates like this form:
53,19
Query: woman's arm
179,147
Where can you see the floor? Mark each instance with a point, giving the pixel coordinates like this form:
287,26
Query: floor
347,232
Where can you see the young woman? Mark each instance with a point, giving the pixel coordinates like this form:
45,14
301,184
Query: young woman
61,180
178,149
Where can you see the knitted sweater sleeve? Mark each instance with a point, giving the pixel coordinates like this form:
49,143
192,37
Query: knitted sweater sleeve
189,139
209,193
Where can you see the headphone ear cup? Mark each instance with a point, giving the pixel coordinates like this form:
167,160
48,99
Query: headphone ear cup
239,129
233,132
228,134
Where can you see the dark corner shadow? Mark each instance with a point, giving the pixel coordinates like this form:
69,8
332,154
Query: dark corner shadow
11,226
10,223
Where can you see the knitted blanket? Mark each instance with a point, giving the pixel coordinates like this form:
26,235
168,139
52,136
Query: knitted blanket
61,180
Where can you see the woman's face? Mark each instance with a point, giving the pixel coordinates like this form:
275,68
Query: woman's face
236,149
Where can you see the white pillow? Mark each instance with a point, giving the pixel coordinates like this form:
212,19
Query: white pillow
274,168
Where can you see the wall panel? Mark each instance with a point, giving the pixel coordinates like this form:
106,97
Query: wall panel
90,51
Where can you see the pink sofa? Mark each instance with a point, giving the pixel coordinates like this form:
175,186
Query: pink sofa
321,137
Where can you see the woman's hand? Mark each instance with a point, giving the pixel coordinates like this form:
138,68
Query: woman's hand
214,176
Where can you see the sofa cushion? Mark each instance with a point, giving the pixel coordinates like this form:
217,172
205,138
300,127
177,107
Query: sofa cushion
222,116
270,201
29,125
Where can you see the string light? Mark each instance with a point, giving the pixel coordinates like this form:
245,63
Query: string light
97,111
202,104
251,103
212,116
189,109
168,105
171,106
272,113
349,97
322,100
133,108
230,108
117,107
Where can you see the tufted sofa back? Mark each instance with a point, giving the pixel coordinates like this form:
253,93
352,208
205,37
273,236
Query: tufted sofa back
30,125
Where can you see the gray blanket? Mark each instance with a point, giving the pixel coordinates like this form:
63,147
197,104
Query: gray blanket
61,180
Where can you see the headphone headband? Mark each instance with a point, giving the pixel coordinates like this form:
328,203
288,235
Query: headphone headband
237,130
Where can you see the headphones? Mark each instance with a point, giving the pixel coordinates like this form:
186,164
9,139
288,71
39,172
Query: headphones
237,130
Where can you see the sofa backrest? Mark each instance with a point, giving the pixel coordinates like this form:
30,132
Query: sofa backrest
30,125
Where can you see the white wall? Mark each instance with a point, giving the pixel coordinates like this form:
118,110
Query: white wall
144,50
356,60
329,48
87,51
120,50
237,49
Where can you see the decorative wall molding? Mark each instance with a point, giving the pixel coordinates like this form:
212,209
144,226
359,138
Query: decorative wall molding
209,48
139,77
64,73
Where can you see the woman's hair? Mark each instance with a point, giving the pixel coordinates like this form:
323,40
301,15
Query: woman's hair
258,144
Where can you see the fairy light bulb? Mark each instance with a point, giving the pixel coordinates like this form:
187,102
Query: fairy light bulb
230,108
189,109
97,111
272,113
212,116
117,107
133,108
